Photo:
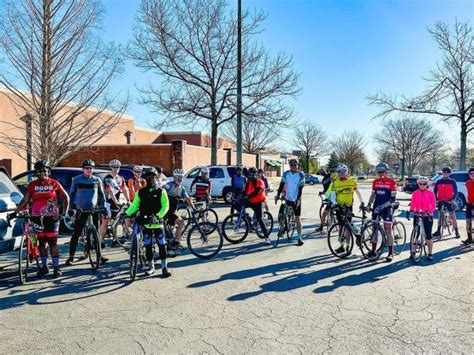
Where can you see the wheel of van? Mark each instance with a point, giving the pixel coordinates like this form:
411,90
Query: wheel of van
460,201
227,195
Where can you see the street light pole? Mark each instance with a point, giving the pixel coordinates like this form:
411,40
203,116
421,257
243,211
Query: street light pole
29,142
239,82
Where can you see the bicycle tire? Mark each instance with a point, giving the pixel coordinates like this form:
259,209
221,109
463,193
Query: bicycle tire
211,217
281,228
230,233
321,210
121,230
134,256
399,235
268,220
367,236
203,244
183,212
94,251
415,240
334,239
23,260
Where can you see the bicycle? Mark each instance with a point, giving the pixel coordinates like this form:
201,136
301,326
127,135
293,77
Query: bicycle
286,222
90,240
444,221
120,227
417,238
206,214
29,250
331,217
137,251
236,226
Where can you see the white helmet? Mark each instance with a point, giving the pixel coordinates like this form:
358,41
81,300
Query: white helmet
341,168
137,168
115,162
178,173
422,180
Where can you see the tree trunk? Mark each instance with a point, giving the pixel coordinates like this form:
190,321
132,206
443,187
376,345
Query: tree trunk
402,172
307,163
463,150
214,142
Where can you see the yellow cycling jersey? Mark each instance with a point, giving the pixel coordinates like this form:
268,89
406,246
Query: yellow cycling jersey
344,190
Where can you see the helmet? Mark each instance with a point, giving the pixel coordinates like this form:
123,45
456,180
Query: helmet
447,169
88,162
260,171
381,166
204,170
150,171
471,170
341,168
159,170
293,162
39,165
115,162
138,168
252,172
178,173
422,180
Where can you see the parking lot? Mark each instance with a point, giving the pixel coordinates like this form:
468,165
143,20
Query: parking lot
251,298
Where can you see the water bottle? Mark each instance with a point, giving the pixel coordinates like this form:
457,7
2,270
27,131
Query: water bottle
355,228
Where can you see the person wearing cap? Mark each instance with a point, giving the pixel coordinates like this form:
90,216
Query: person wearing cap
136,182
384,192
115,186
292,182
423,204
43,193
87,193
469,205
152,204
446,190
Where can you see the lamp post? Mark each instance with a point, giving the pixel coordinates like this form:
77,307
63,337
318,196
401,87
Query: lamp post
239,82
29,143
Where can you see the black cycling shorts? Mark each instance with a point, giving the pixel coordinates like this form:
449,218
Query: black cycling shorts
297,209
340,214
386,214
45,226
448,204
469,208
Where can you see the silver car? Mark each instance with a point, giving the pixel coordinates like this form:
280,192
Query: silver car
9,197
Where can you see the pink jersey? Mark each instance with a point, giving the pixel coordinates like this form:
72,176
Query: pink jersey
423,201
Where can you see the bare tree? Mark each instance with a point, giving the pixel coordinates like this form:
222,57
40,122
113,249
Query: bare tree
52,50
450,94
349,148
256,137
311,141
411,140
192,45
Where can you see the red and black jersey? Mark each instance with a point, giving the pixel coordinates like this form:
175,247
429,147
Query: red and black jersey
202,186
43,194
445,189
470,191
383,188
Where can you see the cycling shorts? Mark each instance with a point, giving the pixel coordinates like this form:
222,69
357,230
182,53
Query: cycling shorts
340,214
386,214
297,209
111,210
449,205
469,210
45,227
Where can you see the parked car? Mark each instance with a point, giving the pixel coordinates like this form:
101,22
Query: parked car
221,180
361,177
460,176
10,196
126,170
311,179
410,185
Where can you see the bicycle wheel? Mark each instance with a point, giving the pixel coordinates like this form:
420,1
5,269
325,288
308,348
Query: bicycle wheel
442,218
446,224
235,229
183,213
93,242
399,235
123,231
340,244
416,244
281,227
372,233
210,216
203,244
23,260
331,220
268,220
134,255
321,210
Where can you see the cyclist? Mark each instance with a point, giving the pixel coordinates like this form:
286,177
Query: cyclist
152,204
326,181
161,179
43,194
469,206
384,192
423,200
261,176
254,196
86,192
446,191
136,182
238,183
343,188
203,186
176,191
293,182
114,187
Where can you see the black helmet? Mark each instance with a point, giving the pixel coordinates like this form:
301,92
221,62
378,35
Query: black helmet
252,172
471,169
159,170
150,171
447,169
88,162
39,165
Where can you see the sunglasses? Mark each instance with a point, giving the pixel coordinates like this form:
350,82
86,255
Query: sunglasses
138,172
472,173
422,184
116,167
381,172
41,171
88,167
293,165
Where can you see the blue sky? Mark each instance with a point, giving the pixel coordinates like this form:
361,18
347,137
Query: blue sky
343,49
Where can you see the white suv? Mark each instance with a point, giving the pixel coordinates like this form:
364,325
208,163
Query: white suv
460,176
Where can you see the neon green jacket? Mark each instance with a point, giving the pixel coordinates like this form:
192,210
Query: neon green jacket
150,201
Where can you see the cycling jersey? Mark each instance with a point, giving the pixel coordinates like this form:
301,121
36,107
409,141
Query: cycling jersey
202,187
150,201
445,189
87,192
470,191
175,192
326,182
134,185
423,200
250,189
383,188
114,185
344,190
293,182
43,194
238,182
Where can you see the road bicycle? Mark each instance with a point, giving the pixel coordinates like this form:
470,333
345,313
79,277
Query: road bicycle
206,214
120,227
89,239
331,217
137,250
236,226
417,238
29,250
286,222
444,221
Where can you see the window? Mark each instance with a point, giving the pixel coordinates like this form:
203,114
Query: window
22,182
460,177
6,186
216,173
194,173
232,171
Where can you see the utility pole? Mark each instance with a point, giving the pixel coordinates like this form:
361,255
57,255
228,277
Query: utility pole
29,141
239,82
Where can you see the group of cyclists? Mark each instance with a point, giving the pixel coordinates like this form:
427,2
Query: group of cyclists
149,199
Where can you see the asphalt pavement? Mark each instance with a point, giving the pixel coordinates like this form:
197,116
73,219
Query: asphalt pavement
251,298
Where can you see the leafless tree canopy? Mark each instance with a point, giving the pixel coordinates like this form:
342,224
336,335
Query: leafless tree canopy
52,51
411,140
192,45
349,148
311,141
450,93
